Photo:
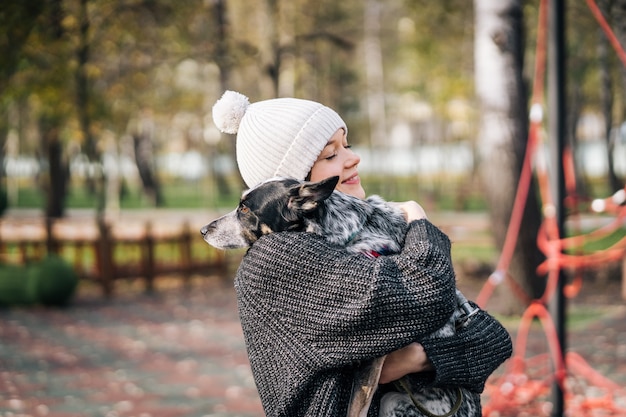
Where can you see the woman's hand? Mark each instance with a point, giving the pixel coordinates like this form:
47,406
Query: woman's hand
412,358
412,210
408,360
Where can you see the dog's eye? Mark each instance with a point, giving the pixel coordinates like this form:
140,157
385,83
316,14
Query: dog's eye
244,210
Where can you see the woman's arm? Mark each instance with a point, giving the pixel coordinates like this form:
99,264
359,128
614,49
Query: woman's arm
348,307
465,359
472,354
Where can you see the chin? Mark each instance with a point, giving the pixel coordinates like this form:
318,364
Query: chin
353,190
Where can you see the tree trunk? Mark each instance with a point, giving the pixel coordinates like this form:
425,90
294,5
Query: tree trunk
17,20
619,19
95,182
225,63
272,52
503,131
58,172
58,169
143,142
375,91
4,180
606,97
576,104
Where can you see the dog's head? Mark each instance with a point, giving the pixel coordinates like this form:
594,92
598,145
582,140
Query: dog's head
276,205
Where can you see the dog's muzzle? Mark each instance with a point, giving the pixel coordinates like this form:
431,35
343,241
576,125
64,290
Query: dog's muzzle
206,229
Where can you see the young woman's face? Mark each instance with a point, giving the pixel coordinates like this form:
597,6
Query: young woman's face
337,159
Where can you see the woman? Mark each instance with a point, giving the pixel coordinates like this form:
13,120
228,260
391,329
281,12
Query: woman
311,312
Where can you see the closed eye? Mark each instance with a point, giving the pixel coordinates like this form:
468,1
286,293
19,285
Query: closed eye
328,158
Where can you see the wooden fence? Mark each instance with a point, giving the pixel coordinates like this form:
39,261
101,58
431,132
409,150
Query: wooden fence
105,251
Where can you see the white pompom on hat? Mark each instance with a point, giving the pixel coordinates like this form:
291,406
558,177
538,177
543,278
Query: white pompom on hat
276,137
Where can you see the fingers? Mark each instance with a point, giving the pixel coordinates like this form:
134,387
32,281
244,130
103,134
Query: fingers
408,360
412,210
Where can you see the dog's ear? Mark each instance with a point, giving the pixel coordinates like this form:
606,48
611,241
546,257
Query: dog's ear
307,196
329,184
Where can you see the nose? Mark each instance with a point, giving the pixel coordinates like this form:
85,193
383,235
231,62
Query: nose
352,159
206,229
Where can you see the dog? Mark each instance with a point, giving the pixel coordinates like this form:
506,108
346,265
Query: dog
372,227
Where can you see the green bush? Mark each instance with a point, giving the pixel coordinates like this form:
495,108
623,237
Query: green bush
51,281
15,285
56,281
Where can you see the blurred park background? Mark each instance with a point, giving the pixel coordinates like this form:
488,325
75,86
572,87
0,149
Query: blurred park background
106,107
111,161
106,104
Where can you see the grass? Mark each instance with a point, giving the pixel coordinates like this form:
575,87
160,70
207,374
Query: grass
482,253
177,194
578,317
446,193
439,194
602,243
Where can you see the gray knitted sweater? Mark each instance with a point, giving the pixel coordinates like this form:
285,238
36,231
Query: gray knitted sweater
312,312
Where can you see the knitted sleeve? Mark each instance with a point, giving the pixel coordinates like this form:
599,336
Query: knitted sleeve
468,358
334,308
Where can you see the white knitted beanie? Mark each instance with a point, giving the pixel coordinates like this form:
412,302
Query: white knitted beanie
278,137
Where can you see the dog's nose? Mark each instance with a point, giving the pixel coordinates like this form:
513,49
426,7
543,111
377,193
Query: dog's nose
207,229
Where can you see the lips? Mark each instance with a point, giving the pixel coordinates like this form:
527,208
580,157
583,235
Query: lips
352,180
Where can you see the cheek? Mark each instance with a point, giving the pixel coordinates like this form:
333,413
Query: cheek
322,170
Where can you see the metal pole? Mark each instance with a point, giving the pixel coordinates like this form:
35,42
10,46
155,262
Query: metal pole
557,130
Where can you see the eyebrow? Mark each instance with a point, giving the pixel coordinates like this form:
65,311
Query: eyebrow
331,143
334,140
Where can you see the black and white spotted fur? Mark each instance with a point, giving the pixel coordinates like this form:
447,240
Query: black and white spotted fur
371,226
282,204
